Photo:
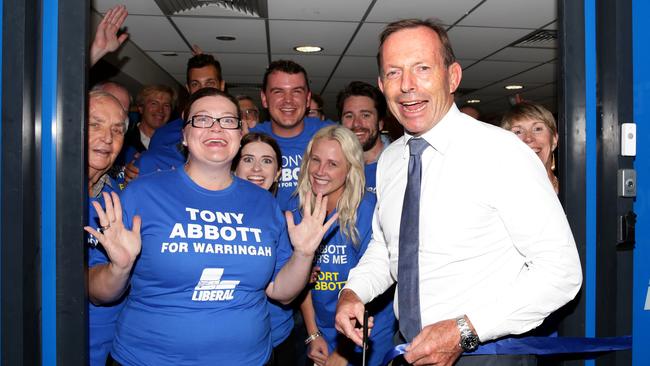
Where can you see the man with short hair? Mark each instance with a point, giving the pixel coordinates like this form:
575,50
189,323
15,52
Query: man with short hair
155,103
250,114
467,222
165,152
107,122
285,93
316,107
362,109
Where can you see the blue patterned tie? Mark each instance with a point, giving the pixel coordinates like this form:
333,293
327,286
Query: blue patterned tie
410,323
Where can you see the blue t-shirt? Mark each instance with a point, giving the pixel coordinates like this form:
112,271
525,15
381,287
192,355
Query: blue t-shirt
198,287
101,319
336,256
292,150
370,171
163,152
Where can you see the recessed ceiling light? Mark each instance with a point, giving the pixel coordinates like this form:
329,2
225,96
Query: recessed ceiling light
308,49
226,38
514,87
169,54
473,101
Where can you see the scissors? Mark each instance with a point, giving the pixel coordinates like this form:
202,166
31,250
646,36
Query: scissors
365,338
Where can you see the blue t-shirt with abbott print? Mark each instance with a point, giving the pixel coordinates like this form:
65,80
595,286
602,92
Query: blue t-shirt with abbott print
198,288
292,150
101,318
336,256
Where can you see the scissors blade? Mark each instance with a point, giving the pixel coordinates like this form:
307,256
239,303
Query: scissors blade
365,338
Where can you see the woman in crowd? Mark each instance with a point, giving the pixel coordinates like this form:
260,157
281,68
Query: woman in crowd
333,167
535,126
201,249
258,162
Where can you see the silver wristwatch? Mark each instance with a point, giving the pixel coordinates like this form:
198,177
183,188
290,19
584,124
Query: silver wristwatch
468,339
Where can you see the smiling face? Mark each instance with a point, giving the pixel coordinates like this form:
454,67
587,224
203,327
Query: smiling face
538,136
286,96
418,86
106,127
213,145
359,114
328,169
258,164
156,109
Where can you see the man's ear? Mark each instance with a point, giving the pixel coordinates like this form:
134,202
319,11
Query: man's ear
380,84
455,73
380,125
222,85
263,98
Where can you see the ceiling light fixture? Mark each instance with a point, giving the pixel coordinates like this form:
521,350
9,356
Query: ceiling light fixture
169,54
514,87
308,49
226,38
473,101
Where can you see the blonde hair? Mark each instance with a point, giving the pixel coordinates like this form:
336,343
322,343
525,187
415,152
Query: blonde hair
355,180
529,110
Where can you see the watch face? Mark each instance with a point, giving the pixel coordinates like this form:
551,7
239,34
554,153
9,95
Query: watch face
469,343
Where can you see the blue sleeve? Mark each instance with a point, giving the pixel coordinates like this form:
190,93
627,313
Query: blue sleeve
284,248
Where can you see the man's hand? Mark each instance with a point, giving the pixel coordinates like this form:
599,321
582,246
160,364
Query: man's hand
131,171
437,344
106,39
349,311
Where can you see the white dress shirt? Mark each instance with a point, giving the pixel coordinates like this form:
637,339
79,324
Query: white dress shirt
495,244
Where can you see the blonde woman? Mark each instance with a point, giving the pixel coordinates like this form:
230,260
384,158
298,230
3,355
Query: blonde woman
536,127
333,167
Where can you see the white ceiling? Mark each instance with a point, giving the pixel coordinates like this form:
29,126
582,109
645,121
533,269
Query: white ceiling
481,32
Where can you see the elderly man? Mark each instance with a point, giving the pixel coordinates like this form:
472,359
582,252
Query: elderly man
107,122
466,222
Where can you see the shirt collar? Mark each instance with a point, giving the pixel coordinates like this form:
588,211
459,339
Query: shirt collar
439,136
99,186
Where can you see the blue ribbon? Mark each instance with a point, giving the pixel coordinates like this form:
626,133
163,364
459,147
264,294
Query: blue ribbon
538,346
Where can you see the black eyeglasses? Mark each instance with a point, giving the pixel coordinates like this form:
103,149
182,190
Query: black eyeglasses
202,121
314,112
251,112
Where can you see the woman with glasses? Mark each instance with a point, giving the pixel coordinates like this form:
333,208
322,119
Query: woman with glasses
201,249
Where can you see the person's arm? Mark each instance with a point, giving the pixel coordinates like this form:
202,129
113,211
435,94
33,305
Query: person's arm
317,347
107,282
305,238
106,39
539,230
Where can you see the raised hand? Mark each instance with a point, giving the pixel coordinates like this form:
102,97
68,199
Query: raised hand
122,245
106,38
196,50
307,236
